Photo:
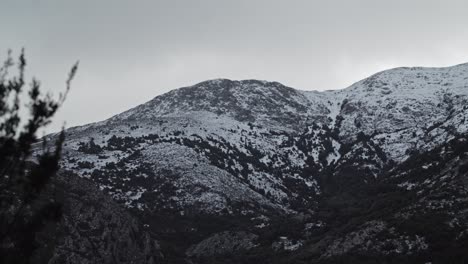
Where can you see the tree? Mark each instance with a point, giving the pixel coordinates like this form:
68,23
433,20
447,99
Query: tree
24,212
90,147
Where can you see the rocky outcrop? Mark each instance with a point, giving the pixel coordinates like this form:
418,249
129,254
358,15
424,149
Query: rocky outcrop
95,229
227,242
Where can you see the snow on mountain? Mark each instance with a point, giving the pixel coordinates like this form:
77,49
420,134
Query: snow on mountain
407,108
222,144
226,161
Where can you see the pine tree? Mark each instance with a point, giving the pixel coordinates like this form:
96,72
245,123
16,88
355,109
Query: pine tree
23,211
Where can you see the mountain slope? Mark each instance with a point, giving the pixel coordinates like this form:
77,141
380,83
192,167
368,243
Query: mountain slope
92,229
246,154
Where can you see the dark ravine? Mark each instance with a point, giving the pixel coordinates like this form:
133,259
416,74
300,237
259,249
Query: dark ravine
256,172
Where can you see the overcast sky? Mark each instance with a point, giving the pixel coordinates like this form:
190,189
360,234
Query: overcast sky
131,51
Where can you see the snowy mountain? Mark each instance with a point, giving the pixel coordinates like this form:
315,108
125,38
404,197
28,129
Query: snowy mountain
249,157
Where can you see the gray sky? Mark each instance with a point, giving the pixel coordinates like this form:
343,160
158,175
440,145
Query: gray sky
131,51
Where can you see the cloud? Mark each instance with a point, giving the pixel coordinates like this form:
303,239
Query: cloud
131,51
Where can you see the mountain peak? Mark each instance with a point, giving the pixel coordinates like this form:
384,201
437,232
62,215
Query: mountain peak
257,149
237,84
244,100
422,80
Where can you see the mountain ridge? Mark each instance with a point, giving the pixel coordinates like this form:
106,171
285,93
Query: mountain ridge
246,154
299,90
228,107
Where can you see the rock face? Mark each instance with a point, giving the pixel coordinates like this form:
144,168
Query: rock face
95,229
418,213
334,172
223,243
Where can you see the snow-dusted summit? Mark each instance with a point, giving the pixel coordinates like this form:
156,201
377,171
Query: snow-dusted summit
254,140
243,154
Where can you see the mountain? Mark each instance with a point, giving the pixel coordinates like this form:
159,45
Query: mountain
239,171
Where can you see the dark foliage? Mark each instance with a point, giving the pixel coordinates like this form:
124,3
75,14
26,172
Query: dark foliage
24,213
90,147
